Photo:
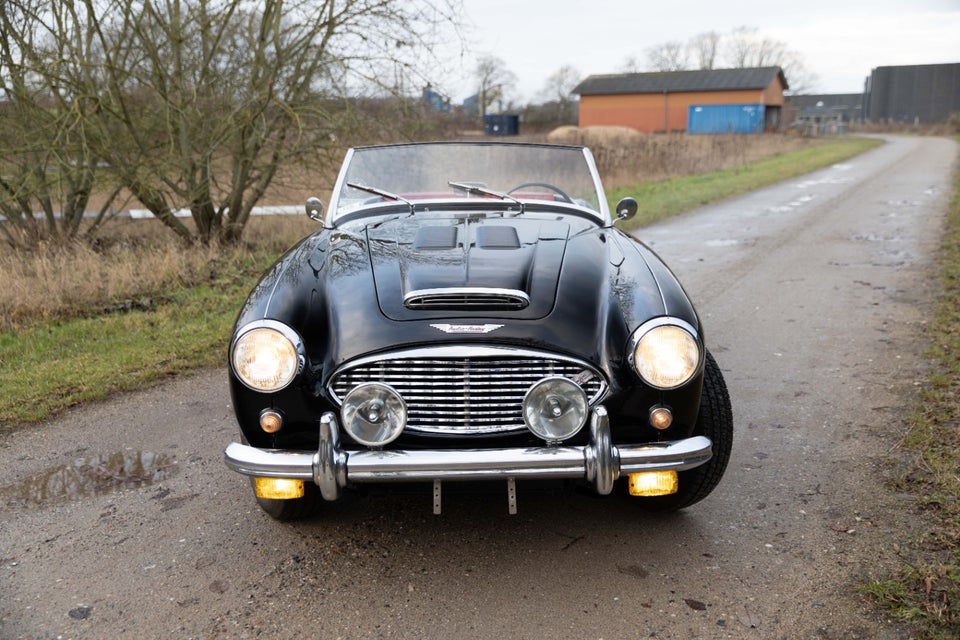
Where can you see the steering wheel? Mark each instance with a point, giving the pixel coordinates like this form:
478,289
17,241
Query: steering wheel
544,185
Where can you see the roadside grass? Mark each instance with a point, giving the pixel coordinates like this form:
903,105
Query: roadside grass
665,198
50,366
926,589
122,339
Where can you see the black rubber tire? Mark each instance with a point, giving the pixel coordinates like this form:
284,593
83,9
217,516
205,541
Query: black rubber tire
295,509
715,422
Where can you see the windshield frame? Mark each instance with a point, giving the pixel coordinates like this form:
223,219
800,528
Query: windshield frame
339,211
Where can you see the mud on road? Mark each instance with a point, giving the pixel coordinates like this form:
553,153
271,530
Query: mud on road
120,519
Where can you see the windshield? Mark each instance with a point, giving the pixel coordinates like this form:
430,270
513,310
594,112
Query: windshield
517,174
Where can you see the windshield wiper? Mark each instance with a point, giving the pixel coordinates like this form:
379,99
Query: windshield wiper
475,190
383,194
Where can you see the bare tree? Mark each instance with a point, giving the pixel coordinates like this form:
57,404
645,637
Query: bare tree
557,102
747,47
669,56
197,104
705,48
631,64
743,47
494,82
48,171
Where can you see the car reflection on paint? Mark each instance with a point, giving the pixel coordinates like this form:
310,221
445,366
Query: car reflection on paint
469,311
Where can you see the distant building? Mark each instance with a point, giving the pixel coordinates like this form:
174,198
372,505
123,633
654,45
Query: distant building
917,94
823,114
471,105
847,107
666,101
434,101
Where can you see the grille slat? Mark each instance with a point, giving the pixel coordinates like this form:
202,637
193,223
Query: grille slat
467,298
465,394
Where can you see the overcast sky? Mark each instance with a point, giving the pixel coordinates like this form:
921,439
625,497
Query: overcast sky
839,41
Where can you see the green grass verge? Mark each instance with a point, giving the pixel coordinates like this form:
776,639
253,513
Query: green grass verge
46,367
663,199
926,590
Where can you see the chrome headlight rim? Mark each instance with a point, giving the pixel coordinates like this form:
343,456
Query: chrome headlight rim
657,323
287,333
391,405
575,396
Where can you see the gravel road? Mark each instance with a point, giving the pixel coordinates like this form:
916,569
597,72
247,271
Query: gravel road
814,294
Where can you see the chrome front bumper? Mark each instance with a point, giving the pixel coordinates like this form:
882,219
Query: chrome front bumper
599,462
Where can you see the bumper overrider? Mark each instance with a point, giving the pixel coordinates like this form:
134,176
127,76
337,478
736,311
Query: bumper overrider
599,462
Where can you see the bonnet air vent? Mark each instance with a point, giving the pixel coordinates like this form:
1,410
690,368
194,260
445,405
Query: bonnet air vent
435,239
470,298
497,237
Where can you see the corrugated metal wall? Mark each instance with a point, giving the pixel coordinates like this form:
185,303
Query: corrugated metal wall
726,118
913,94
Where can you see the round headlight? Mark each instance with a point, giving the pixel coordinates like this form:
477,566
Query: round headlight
374,414
267,358
555,408
666,356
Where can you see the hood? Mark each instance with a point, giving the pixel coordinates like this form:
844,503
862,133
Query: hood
467,266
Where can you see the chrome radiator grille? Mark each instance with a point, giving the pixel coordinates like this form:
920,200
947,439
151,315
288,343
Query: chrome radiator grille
453,394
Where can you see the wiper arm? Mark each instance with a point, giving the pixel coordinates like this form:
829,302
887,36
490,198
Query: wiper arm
481,191
383,194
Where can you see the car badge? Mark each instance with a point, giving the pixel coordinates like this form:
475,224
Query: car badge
466,328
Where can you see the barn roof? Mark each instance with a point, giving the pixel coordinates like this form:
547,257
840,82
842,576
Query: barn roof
681,81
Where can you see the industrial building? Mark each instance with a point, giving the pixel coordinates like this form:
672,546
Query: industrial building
709,101
914,94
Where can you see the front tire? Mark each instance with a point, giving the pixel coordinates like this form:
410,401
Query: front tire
715,421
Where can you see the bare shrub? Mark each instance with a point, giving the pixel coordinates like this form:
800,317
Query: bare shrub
133,266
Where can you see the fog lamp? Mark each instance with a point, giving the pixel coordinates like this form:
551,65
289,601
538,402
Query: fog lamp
374,414
555,408
653,483
278,488
270,421
661,418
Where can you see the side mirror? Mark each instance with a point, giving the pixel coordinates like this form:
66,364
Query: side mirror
626,208
315,209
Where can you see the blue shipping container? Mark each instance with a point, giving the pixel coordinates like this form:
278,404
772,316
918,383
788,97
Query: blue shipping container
726,118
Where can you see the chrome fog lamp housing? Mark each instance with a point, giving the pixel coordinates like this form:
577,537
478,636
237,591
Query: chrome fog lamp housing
267,355
374,414
665,353
555,408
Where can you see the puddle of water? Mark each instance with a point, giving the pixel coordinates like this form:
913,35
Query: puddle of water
872,237
729,242
89,476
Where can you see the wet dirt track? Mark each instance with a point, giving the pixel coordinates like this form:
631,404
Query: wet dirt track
813,294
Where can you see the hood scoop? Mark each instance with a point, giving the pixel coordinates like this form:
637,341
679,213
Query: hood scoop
432,268
466,299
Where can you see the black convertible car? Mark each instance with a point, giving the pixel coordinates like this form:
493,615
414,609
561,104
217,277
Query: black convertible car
469,312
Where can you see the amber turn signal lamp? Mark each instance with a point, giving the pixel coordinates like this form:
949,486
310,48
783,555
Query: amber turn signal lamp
270,421
653,483
278,488
661,418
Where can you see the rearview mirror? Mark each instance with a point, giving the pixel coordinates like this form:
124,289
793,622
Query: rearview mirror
626,208
315,209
